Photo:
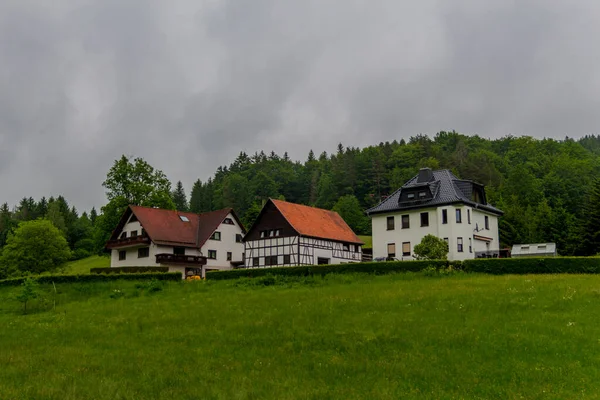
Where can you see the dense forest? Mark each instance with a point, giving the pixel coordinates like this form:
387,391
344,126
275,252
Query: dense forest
547,188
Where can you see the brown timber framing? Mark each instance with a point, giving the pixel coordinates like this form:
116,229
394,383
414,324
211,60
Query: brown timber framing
305,254
255,251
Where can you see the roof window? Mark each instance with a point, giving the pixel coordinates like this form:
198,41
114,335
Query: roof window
184,218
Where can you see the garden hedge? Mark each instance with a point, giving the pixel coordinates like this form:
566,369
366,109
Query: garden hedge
548,265
128,270
47,279
377,268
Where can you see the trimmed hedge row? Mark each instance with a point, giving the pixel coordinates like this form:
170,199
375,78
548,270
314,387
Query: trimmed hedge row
549,265
47,279
378,268
495,266
128,270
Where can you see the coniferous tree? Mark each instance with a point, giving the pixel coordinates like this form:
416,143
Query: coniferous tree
196,197
592,220
179,197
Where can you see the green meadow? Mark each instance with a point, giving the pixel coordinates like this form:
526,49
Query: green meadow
407,335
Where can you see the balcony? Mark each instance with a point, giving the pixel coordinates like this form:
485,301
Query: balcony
180,259
129,241
501,253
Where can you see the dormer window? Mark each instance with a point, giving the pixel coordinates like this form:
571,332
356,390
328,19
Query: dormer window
422,194
410,196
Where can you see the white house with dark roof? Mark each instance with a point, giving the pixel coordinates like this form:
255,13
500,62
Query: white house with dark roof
184,242
440,204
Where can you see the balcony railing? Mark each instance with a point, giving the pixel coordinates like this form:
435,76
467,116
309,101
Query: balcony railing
129,241
502,253
166,258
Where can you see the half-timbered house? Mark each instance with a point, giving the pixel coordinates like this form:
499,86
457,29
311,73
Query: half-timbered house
185,242
288,234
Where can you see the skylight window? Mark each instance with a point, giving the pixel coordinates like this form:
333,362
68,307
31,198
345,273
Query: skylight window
184,218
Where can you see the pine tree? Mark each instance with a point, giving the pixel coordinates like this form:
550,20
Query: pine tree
196,197
592,220
6,223
93,215
179,197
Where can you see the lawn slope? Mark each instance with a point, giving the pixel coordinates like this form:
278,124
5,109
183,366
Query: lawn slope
83,266
341,337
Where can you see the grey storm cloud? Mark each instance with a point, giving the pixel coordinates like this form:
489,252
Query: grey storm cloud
187,85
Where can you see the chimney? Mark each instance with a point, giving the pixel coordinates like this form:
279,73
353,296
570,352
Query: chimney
425,175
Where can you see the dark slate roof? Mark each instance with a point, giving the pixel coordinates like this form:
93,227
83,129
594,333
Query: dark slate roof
445,187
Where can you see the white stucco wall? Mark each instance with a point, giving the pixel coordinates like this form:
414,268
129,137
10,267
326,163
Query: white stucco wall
227,243
452,230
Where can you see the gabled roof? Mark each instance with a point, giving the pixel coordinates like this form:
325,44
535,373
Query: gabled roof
166,227
445,187
316,222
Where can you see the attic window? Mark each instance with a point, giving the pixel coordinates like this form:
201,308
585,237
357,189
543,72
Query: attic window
422,194
184,218
410,196
228,221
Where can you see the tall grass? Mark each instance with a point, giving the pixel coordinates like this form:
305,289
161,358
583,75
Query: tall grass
338,337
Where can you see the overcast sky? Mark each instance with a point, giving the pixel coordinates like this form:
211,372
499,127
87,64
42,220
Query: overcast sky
188,84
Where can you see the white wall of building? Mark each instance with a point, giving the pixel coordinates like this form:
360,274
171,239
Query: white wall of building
226,244
451,230
301,250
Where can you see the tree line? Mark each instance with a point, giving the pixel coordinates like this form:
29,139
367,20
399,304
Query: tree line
547,188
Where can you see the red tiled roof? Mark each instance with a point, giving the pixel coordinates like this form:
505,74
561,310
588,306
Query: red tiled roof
167,228
316,222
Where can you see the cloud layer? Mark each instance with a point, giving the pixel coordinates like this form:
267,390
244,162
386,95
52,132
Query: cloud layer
187,85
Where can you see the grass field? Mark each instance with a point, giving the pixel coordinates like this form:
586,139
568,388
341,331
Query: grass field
83,266
368,241
339,337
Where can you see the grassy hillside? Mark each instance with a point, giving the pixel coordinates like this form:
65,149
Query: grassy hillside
385,337
83,266
368,240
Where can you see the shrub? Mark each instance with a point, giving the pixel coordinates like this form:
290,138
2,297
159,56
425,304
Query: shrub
551,265
29,291
128,270
35,247
431,248
377,268
49,279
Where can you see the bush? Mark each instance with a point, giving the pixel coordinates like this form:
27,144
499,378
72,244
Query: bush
556,265
49,279
29,291
128,270
431,248
378,268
